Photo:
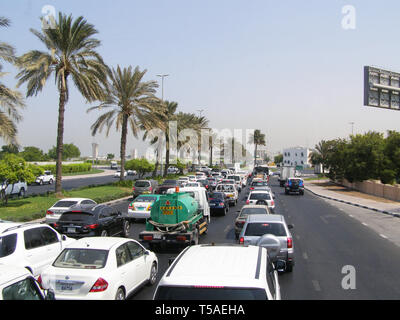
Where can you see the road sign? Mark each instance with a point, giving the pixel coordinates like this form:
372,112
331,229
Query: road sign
381,88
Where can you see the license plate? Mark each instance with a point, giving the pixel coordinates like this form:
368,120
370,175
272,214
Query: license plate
230,195
71,230
157,236
212,204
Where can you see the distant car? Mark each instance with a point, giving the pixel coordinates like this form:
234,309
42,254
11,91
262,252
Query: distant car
183,180
218,203
230,192
117,174
173,170
63,205
131,172
192,178
244,212
263,197
194,184
201,175
14,189
92,221
46,177
167,184
294,185
259,225
17,283
140,207
100,269
212,183
144,187
33,246
204,183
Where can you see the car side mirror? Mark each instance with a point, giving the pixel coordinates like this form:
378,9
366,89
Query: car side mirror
63,237
280,265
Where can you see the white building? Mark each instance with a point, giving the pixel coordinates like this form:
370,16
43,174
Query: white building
297,156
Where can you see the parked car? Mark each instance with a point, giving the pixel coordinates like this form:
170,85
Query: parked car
117,174
63,205
30,245
46,177
140,207
218,203
264,197
173,170
295,185
200,272
92,221
131,172
17,283
258,225
13,189
144,186
244,212
100,269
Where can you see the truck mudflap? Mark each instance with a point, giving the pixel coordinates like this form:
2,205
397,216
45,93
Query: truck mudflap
162,237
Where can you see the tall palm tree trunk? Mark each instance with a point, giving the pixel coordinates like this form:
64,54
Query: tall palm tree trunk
60,139
124,133
166,152
255,155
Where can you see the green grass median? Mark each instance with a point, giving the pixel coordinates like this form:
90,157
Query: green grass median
34,207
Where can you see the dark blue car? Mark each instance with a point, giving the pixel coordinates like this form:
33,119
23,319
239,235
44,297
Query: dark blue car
218,203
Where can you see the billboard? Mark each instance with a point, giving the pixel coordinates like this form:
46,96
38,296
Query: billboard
381,88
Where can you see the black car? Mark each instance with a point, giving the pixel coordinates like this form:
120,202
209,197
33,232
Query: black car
218,202
168,184
92,221
294,185
205,183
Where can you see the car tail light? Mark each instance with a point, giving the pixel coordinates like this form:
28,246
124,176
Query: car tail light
181,238
91,226
247,201
148,238
39,280
289,243
251,188
100,285
151,189
132,206
241,240
56,225
221,204
272,203
133,188
49,212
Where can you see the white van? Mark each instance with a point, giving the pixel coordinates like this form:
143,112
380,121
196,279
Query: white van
200,195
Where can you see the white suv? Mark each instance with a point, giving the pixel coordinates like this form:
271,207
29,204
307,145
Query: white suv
264,197
30,245
200,272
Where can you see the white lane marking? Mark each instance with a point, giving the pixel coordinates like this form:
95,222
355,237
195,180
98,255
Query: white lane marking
316,285
228,227
351,215
297,237
305,256
383,236
364,224
324,220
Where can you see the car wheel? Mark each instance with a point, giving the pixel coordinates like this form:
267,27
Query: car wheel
21,193
120,295
104,233
51,181
41,182
127,229
153,274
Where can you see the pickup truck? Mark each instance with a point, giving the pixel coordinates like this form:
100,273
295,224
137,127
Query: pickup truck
19,188
46,177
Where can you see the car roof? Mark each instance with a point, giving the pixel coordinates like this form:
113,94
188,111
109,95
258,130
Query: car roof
251,206
101,243
206,264
260,191
74,199
9,273
6,226
265,218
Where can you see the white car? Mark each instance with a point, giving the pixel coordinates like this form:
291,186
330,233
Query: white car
63,205
17,283
183,180
230,192
100,268
194,185
200,175
200,272
262,197
117,174
46,177
192,178
140,207
33,246
173,170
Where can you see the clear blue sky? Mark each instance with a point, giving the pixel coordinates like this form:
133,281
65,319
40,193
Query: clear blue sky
285,67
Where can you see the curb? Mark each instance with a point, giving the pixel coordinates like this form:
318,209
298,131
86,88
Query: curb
397,215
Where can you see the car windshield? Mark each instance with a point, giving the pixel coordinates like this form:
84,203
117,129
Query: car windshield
236,178
82,259
145,199
247,211
141,184
212,293
261,228
260,196
259,183
7,245
65,204
228,188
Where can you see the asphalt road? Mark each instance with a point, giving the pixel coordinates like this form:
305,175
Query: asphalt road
326,240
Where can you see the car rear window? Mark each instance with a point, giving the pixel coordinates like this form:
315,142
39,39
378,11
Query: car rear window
77,217
82,259
260,196
212,293
65,204
261,228
145,199
142,184
7,244
217,195
247,211
169,182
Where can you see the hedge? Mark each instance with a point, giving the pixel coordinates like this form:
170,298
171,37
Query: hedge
69,168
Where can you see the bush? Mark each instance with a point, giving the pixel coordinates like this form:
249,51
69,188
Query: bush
388,176
69,168
124,183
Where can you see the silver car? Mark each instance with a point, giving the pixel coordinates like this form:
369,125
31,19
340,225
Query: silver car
63,205
245,212
258,225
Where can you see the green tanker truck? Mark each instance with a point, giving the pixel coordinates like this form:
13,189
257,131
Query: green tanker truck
174,219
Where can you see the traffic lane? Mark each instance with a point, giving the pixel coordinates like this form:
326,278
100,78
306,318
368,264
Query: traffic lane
74,184
326,240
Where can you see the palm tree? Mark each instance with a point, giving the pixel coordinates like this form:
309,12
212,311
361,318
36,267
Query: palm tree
321,153
131,102
10,100
70,54
258,139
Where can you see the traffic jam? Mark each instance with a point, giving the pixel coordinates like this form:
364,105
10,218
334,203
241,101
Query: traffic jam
85,251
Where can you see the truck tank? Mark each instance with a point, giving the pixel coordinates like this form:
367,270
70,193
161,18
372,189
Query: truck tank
173,212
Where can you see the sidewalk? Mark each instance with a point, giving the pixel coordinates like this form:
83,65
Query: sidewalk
328,190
